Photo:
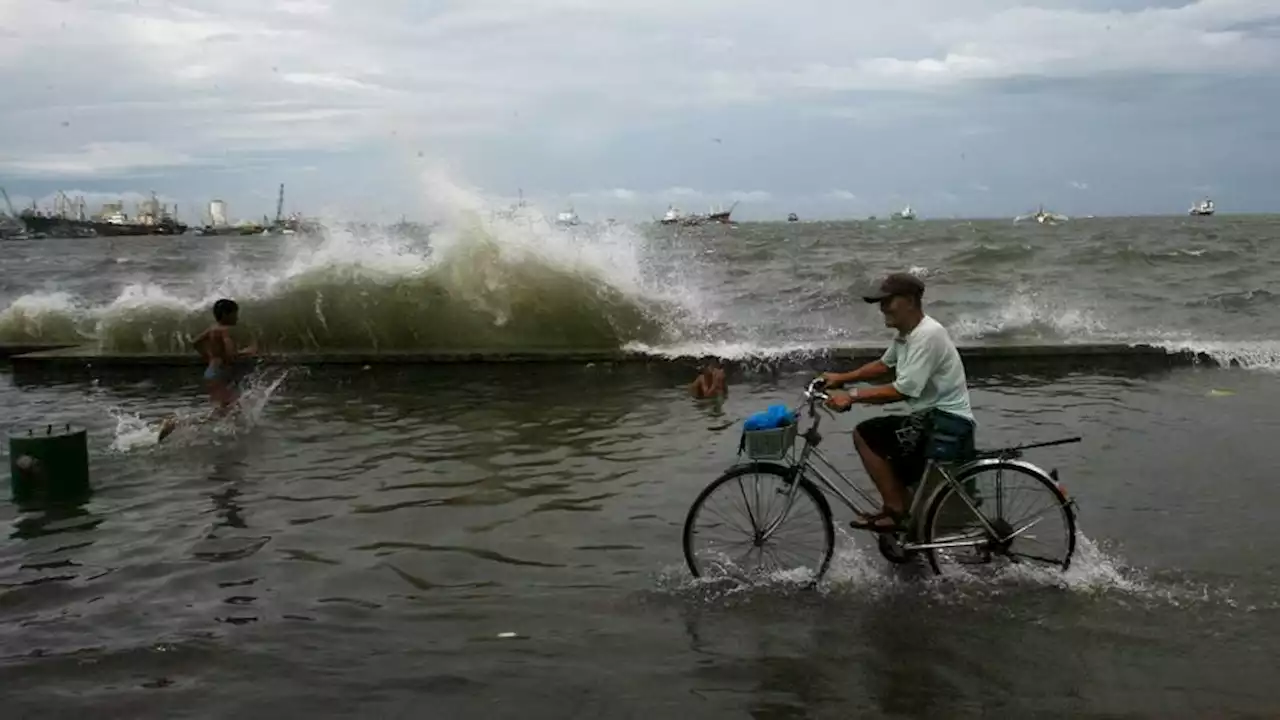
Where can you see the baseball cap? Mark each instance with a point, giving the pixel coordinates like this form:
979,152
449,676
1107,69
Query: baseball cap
895,284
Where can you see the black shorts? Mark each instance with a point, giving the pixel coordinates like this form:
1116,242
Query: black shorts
906,441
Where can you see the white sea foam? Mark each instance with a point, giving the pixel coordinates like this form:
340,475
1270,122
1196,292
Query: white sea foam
858,571
484,279
1026,315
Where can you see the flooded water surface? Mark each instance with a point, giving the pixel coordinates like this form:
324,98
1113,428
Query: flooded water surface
474,542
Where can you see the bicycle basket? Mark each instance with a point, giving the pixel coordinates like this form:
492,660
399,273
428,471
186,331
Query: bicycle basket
771,444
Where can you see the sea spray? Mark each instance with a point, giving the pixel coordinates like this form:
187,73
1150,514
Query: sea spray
43,317
134,432
493,277
475,294
480,282
1029,314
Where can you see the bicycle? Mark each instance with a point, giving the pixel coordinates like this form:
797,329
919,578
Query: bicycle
957,516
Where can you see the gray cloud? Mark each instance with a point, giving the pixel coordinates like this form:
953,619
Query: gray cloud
837,108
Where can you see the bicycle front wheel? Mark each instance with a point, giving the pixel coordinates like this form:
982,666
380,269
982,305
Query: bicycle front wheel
749,522
1030,521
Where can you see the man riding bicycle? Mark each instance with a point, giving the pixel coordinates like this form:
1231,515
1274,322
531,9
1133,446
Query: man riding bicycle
929,376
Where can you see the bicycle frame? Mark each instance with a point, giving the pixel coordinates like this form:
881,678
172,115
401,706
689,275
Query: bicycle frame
805,466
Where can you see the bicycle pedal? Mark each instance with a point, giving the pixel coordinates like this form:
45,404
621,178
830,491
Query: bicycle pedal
891,549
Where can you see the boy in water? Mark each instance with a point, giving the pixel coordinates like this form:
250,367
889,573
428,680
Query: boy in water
710,380
219,353
218,350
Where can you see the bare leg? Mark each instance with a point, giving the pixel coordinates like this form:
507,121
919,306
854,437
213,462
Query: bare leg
225,408
224,398
881,472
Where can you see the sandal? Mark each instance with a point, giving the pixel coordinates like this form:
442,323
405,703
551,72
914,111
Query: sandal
875,522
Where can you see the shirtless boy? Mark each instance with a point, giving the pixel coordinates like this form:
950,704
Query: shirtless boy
710,380
219,353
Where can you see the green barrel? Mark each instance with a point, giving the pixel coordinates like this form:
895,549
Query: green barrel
49,465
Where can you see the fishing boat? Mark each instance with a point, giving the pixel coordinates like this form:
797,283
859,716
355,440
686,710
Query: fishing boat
792,217
675,217
567,218
1204,208
517,212
1043,217
905,213
68,220
721,216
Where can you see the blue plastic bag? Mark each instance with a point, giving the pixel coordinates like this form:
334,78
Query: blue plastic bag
775,417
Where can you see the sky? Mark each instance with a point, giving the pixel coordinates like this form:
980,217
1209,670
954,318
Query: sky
971,108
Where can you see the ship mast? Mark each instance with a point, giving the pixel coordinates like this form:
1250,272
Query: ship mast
280,205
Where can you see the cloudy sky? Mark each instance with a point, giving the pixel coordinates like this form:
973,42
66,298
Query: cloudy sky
823,107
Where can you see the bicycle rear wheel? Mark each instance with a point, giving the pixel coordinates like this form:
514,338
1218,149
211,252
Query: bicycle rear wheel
723,532
1032,519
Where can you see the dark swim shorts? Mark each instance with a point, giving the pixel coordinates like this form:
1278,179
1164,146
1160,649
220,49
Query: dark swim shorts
907,441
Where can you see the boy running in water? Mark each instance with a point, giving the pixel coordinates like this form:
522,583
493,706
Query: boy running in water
219,353
218,350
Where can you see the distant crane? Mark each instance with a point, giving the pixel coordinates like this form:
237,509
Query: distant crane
65,207
8,202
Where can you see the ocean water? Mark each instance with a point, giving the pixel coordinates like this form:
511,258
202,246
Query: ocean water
505,542
480,282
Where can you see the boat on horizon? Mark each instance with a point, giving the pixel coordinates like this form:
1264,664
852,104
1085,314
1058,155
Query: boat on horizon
674,217
792,217
1204,208
721,216
905,213
517,212
1043,217
568,218
68,220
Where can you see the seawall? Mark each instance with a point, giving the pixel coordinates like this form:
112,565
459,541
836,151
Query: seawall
978,358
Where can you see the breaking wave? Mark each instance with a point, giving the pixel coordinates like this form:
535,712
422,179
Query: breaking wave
1245,354
488,280
479,282
1238,300
1029,317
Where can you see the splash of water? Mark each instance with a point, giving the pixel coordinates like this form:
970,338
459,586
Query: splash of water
489,280
741,350
1025,315
482,281
1246,354
133,432
857,570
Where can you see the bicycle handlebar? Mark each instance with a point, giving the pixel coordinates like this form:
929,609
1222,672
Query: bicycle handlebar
814,391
